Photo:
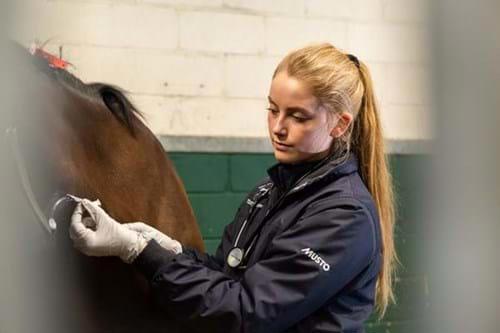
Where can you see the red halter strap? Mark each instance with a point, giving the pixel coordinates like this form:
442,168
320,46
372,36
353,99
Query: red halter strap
53,61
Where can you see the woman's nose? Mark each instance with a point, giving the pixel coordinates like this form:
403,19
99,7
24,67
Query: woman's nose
279,128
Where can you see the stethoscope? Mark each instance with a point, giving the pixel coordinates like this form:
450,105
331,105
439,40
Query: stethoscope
238,253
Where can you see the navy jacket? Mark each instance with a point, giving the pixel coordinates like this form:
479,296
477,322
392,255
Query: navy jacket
312,268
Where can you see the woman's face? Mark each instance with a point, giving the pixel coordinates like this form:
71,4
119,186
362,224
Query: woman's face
299,128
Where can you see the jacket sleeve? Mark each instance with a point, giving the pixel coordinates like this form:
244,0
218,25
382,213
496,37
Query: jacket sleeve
303,267
214,262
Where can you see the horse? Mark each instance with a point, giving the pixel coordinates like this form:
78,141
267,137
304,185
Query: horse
89,140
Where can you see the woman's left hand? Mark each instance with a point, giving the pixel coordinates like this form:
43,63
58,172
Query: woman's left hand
100,235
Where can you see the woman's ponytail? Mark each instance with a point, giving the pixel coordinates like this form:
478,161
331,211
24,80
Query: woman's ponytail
368,143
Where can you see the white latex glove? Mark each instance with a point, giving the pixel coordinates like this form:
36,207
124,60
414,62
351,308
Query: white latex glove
100,235
148,232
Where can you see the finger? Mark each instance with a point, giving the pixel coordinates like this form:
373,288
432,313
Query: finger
89,223
76,220
78,230
86,245
137,226
79,200
74,198
77,213
93,209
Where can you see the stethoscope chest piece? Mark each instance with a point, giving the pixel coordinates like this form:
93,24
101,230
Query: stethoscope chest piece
235,257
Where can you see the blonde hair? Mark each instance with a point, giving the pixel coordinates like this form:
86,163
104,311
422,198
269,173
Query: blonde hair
342,83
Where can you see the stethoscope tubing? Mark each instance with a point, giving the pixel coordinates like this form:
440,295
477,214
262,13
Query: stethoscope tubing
235,261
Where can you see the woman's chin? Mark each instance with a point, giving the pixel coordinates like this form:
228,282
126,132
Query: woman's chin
284,157
294,157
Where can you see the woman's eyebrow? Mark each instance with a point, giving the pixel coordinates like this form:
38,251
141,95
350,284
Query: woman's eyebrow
271,101
299,109
292,108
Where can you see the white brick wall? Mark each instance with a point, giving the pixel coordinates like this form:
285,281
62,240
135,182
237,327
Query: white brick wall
405,11
408,85
102,23
406,121
269,8
285,34
387,42
150,72
359,10
184,3
242,83
244,117
203,67
221,32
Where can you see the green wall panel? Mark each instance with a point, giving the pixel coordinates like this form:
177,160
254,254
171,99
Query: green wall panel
214,211
247,169
411,326
211,245
409,181
202,172
407,246
411,297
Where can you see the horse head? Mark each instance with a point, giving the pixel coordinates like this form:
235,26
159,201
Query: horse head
91,141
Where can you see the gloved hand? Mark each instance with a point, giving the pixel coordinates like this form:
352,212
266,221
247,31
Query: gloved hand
100,235
148,232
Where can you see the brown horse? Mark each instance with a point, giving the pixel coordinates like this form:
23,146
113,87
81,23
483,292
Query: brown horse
89,140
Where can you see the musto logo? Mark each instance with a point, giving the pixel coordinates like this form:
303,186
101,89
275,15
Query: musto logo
316,258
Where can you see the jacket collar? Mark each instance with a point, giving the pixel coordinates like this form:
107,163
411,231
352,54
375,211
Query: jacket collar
293,178
284,176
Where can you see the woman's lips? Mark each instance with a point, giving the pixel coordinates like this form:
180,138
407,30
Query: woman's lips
281,146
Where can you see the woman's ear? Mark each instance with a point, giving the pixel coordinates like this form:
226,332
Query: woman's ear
344,120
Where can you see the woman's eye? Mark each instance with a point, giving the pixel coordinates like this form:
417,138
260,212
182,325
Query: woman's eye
273,111
299,118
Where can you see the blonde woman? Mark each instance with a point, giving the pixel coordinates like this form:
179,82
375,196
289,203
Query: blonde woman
311,248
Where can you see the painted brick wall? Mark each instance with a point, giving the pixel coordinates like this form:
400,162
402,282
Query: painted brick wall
217,183
203,67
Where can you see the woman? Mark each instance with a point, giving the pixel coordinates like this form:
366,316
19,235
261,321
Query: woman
311,247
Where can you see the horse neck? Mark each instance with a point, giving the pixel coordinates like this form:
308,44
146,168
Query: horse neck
175,214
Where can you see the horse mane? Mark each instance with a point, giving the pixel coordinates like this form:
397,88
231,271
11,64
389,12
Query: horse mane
113,97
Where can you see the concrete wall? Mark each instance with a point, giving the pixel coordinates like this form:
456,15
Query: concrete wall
203,67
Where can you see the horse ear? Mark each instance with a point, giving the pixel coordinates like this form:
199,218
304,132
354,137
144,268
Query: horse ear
118,104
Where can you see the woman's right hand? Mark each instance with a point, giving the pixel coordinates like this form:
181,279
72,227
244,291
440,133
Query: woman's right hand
148,232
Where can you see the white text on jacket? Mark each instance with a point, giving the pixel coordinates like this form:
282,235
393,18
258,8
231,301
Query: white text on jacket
316,258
